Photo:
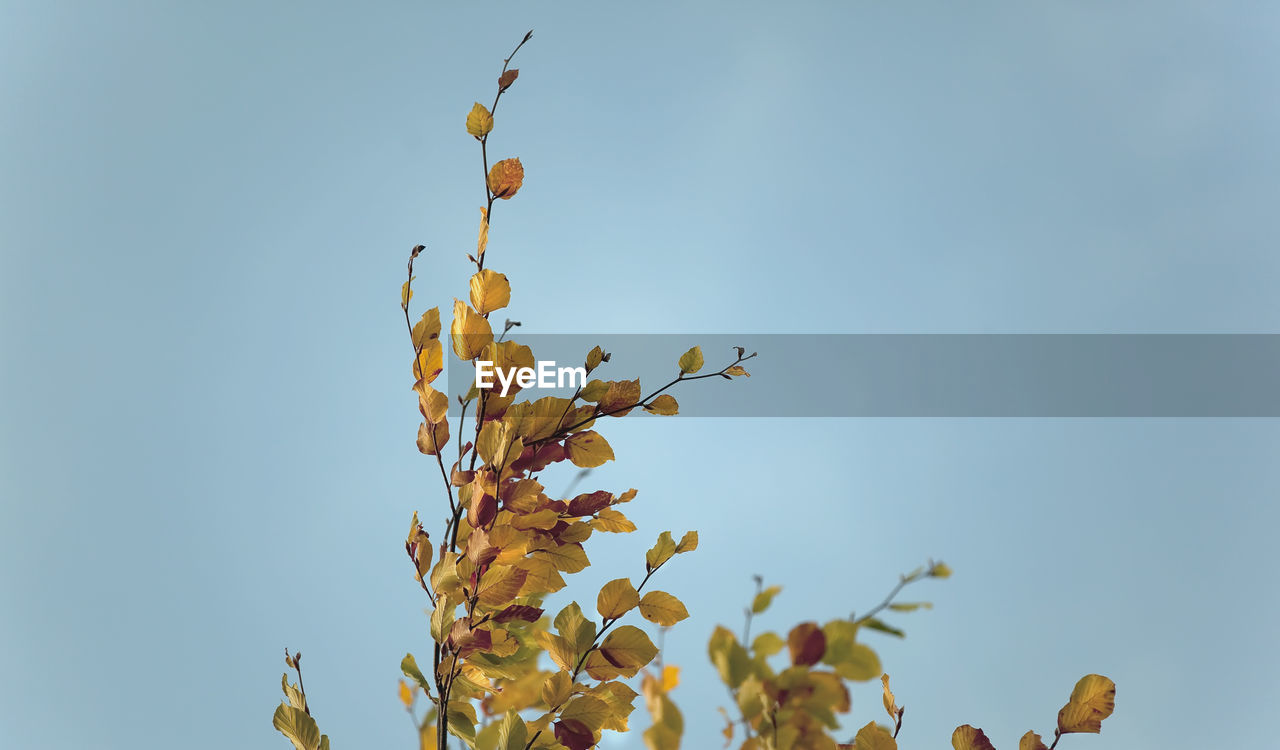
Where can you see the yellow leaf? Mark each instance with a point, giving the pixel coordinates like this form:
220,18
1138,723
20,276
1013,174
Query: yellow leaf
617,598
430,362
661,551
559,649
427,329
490,291
470,332
479,121
587,709
628,649
594,358
670,677
505,178
620,398
433,437
1031,741
567,558
406,694
612,521
433,404
691,361
500,585
889,702
940,570
543,578
662,608
970,738
555,691
737,370
483,241
1092,700
874,737
664,405
406,292
588,449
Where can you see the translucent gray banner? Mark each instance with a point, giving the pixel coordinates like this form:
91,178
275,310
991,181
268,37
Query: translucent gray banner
932,375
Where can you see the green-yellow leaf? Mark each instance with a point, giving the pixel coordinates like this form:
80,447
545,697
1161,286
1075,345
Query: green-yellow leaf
763,599
512,733
664,405
729,657
688,542
409,666
858,663
296,698
910,606
294,723
588,450
691,361
662,608
616,599
461,725
767,644
874,737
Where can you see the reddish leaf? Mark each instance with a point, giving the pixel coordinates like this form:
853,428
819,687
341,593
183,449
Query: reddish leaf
588,504
807,644
482,511
519,612
574,735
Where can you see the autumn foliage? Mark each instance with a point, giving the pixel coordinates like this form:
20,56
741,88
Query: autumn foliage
504,673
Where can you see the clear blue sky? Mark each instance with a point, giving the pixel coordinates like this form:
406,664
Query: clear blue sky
206,440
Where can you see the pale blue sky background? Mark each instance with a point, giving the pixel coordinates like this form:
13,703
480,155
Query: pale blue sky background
207,434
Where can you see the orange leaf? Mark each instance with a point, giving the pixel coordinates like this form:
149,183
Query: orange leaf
505,178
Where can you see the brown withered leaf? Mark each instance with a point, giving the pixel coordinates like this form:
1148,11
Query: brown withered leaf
506,79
